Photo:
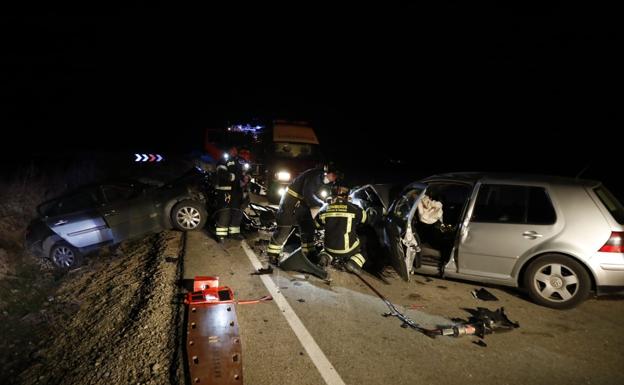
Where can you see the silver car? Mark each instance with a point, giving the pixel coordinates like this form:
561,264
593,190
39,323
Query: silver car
98,215
558,238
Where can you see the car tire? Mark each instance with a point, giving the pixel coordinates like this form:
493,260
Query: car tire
557,281
188,215
65,256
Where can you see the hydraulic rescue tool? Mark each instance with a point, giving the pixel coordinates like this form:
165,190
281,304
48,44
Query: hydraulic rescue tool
482,321
213,344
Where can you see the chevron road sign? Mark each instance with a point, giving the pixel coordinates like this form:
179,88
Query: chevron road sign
148,157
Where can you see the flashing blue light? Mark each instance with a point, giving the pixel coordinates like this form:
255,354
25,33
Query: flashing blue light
247,128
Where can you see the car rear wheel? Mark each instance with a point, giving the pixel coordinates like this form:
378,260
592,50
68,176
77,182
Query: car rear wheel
557,281
64,256
188,215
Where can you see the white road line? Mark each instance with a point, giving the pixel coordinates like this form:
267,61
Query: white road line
325,368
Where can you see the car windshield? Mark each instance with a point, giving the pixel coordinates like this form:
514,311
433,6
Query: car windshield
295,150
611,203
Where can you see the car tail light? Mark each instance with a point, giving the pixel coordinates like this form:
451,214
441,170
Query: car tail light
615,244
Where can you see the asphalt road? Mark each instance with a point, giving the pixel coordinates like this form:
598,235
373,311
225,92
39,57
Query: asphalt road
347,341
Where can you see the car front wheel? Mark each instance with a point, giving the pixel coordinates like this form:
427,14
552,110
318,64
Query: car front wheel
557,281
64,256
188,215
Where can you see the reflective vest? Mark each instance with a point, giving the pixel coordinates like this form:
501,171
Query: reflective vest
340,220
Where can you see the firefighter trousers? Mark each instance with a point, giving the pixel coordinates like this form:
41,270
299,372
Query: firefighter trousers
229,215
292,212
355,255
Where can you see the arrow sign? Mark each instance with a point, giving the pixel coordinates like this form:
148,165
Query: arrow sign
148,157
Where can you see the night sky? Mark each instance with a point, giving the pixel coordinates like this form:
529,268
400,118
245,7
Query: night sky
450,86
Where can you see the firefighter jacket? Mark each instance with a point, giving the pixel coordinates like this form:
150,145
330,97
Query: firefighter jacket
340,220
230,173
308,186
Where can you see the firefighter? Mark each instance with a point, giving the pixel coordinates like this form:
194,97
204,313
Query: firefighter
340,219
303,193
231,180
244,156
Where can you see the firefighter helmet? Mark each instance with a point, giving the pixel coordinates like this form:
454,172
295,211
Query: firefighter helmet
339,190
331,168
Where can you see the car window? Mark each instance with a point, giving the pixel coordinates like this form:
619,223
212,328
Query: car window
541,210
73,203
611,203
367,197
405,203
513,204
453,197
114,193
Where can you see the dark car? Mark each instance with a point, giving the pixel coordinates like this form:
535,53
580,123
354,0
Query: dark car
98,215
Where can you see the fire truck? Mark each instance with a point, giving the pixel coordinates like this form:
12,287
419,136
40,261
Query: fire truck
280,150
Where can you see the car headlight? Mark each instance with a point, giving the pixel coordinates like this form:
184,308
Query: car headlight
283,176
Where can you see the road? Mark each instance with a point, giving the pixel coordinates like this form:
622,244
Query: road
347,341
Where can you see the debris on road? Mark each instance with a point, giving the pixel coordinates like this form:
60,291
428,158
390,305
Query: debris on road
483,295
480,343
482,321
264,270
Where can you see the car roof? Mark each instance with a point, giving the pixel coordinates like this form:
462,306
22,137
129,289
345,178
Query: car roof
489,177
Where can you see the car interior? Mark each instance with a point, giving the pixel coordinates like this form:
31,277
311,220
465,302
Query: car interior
437,239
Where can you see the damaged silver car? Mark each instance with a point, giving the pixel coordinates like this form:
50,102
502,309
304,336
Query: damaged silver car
557,238
99,215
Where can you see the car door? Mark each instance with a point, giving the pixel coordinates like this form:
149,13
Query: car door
506,222
129,211
75,218
368,196
402,243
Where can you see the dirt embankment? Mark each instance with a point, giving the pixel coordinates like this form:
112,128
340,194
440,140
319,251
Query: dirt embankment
114,320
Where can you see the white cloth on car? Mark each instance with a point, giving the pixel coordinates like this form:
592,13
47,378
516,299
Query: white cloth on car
429,210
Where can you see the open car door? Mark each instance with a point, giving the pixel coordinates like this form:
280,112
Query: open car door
399,237
368,196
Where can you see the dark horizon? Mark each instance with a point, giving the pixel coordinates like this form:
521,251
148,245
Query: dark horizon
444,87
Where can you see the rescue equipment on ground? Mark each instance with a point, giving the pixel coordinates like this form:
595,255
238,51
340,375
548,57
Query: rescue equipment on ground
482,321
296,261
213,344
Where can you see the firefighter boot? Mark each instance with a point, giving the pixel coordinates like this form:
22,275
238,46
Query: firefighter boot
352,267
355,263
273,252
273,258
324,259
